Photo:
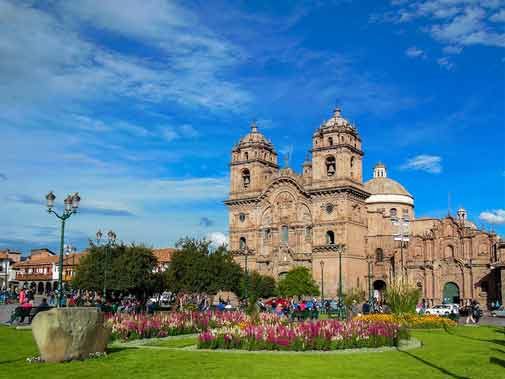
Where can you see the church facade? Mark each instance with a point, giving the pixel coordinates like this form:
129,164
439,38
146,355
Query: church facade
329,220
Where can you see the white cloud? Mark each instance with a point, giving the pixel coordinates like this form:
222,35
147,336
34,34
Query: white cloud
445,63
453,22
217,239
493,217
452,49
414,52
170,134
48,58
428,163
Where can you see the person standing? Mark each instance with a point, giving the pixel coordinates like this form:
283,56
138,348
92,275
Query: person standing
22,296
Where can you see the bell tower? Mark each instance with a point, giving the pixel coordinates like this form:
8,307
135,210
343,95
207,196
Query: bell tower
253,162
336,152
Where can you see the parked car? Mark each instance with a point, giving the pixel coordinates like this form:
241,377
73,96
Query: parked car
500,312
440,310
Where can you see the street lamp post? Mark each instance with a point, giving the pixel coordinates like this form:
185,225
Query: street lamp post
322,284
71,204
370,295
244,251
111,240
340,306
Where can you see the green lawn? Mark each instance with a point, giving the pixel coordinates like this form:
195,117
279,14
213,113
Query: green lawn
465,352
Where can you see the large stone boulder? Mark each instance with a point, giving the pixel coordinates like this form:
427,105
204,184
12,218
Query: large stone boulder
65,334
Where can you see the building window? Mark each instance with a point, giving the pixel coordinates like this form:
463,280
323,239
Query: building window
246,178
246,155
241,217
285,234
330,141
330,166
243,243
379,255
330,237
267,234
392,212
329,208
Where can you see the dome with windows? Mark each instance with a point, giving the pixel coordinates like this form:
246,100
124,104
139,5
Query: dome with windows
386,190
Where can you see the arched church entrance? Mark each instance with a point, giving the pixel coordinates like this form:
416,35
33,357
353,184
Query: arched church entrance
379,287
451,293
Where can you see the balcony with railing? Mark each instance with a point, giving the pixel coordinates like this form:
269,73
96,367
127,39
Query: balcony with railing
33,276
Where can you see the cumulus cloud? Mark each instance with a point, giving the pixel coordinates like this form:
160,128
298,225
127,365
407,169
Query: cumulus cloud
453,22
414,52
217,239
496,217
47,55
427,163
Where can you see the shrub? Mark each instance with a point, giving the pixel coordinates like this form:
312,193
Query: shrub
402,297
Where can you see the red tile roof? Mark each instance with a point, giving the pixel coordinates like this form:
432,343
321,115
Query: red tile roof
164,255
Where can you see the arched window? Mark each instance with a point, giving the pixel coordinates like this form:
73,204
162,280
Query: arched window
379,255
330,166
246,177
246,155
330,141
285,234
392,212
243,243
330,237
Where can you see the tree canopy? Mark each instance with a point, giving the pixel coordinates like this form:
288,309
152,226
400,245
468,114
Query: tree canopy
298,282
119,267
194,268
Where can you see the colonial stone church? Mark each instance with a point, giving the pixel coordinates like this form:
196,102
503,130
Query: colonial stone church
279,219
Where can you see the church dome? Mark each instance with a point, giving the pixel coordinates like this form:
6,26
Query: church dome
386,190
254,138
337,123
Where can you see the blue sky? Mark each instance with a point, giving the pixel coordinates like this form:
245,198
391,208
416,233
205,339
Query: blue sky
137,105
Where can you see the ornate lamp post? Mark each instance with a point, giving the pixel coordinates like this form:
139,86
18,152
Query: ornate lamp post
71,203
370,276
322,284
111,241
245,252
341,314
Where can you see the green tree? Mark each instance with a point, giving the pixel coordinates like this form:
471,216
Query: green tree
128,268
258,286
194,268
298,282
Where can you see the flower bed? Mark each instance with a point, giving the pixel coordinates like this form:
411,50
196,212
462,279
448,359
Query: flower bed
128,327
309,335
411,321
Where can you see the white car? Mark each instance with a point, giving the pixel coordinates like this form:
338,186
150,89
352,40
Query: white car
442,310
